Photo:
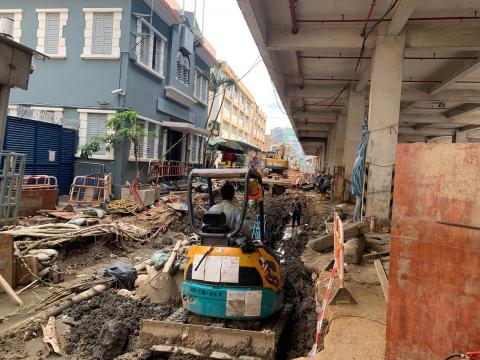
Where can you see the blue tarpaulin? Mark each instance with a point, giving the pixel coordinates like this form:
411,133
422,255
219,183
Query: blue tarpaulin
356,185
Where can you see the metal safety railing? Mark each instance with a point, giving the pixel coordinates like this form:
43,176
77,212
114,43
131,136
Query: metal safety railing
12,169
39,182
159,170
90,190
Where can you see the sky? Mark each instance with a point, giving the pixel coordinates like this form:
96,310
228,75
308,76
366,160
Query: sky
227,31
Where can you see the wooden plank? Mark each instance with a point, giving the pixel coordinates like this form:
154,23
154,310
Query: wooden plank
375,255
171,259
10,292
382,277
7,259
50,335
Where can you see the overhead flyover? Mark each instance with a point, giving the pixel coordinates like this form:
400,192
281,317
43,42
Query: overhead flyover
412,66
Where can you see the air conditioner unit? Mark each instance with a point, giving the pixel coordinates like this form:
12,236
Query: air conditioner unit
186,40
6,27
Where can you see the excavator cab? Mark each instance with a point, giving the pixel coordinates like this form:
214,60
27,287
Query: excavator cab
222,279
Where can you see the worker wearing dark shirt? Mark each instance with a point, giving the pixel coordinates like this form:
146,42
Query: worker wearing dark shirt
296,211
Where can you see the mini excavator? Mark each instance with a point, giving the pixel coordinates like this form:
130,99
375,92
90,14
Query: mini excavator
238,291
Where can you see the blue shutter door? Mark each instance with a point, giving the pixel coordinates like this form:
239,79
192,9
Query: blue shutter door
67,159
35,139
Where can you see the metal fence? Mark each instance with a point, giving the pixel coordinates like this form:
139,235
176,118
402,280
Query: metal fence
11,174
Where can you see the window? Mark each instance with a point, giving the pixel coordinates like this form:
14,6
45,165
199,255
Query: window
196,152
96,127
50,38
16,15
201,86
92,123
102,33
147,147
150,48
235,113
225,129
227,105
183,68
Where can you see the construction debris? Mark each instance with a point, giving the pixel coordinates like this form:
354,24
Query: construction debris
50,335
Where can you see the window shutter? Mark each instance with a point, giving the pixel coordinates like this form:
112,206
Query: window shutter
179,66
96,126
157,55
52,33
193,149
144,44
200,149
151,140
102,33
205,89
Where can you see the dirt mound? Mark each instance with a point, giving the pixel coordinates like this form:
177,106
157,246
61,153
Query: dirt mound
105,324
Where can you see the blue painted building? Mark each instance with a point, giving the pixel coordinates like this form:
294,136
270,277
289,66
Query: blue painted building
107,56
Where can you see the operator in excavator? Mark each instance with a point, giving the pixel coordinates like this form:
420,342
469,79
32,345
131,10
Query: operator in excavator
232,213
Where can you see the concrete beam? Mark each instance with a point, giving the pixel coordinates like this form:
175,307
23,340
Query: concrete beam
409,95
401,13
314,127
426,132
311,114
316,134
439,119
316,92
467,68
305,121
464,110
433,36
316,36
468,128
414,96
411,138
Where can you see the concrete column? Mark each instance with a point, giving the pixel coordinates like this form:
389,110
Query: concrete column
383,120
461,137
353,129
331,151
340,140
4,96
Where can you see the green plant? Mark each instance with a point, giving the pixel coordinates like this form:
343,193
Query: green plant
91,147
121,126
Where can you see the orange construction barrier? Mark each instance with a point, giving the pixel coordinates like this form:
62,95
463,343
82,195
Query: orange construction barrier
90,189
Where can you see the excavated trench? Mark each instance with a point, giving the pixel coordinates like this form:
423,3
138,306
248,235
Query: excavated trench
106,327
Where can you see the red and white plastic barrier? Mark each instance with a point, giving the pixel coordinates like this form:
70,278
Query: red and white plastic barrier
337,267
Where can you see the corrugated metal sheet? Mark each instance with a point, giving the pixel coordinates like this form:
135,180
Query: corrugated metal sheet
50,148
434,268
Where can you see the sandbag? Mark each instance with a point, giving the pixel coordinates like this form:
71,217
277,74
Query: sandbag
124,274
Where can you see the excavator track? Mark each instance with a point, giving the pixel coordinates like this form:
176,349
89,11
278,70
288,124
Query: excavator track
218,340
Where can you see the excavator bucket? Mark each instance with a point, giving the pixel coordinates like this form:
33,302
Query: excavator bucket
207,341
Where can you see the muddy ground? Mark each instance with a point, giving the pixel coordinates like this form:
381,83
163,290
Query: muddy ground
105,326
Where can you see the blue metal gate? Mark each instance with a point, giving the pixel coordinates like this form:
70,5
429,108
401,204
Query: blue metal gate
50,148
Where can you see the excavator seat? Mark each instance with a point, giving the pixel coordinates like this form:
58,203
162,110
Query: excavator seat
215,223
